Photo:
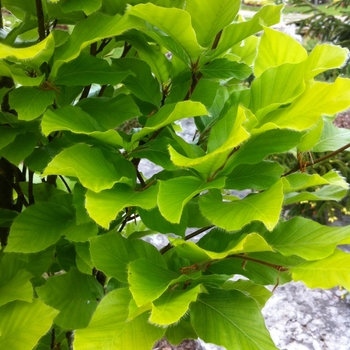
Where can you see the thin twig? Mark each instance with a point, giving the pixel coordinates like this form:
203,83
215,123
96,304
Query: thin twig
30,187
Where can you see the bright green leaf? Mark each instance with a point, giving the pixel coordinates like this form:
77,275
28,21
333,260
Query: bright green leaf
324,57
174,22
277,48
170,113
236,313
38,227
91,166
326,273
172,305
148,281
111,254
258,176
104,206
14,280
252,242
306,238
222,68
217,15
175,193
22,324
265,207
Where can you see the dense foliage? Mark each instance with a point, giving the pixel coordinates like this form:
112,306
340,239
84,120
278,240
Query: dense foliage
75,204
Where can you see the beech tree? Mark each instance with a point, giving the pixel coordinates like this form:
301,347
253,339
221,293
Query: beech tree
75,271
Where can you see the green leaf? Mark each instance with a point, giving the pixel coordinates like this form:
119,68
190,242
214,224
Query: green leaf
9,134
265,207
38,227
262,145
175,193
252,242
258,176
104,206
326,273
148,281
103,110
6,217
75,294
31,102
82,35
20,148
297,182
236,32
88,6
14,280
283,84
259,293
235,312
226,134
107,322
22,324
331,192
172,305
277,48
112,253
332,138
154,220
180,331
157,61
222,68
324,57
33,56
74,119
217,15
301,114
174,22
150,89
109,330
87,69
306,238
168,114
92,166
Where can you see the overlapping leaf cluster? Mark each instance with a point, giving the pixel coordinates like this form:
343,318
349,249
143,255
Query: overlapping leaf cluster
75,259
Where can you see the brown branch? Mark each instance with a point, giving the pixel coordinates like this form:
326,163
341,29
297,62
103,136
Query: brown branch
319,160
245,257
216,41
30,187
41,20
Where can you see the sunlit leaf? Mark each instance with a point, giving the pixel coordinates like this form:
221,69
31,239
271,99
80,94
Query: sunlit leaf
172,305
14,280
306,238
265,207
175,193
174,22
326,273
91,166
104,206
27,321
38,227
112,253
235,312
252,242
277,48
218,15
